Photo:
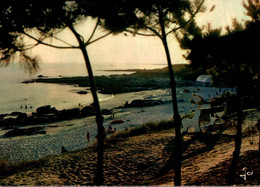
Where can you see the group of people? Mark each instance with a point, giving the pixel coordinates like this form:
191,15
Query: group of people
109,130
25,106
80,105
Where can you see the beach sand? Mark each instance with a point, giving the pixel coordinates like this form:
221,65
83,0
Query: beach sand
72,133
138,160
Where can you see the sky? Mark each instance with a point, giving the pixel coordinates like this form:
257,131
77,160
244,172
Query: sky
128,49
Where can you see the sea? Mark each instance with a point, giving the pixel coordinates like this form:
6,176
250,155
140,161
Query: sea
16,96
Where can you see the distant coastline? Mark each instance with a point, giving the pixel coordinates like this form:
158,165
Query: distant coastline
119,70
139,80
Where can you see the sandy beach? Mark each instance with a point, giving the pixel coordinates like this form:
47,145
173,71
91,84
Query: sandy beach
72,133
139,160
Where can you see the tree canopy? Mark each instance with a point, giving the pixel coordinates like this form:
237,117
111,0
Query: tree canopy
27,24
231,57
233,60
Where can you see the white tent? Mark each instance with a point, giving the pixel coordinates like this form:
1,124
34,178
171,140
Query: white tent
205,79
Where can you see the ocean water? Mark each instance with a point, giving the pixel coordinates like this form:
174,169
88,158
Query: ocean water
17,96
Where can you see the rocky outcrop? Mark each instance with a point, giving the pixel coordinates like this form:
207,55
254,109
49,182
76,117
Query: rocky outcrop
106,112
43,114
143,103
46,114
87,111
46,110
19,116
29,131
82,92
69,113
10,120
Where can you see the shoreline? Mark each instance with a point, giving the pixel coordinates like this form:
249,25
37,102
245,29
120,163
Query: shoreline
72,133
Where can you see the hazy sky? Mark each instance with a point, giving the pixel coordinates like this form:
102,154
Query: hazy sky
127,49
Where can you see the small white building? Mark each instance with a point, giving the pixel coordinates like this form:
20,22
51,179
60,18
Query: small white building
205,80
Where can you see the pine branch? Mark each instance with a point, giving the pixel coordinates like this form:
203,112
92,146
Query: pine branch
191,18
98,38
93,32
40,41
138,33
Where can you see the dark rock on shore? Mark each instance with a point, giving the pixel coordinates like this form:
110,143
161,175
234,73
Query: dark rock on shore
20,116
82,92
69,113
29,131
46,110
10,120
87,111
41,76
106,112
143,103
43,114
29,81
2,116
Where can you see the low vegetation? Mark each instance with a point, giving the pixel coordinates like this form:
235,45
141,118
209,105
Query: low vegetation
143,129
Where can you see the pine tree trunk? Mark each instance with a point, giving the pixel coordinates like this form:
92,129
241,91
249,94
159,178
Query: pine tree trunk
238,139
176,116
99,179
258,128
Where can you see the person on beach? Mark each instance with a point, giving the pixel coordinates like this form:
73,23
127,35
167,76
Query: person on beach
63,149
112,116
88,136
110,129
104,133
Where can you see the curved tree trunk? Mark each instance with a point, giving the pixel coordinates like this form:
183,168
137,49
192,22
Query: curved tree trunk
176,116
99,180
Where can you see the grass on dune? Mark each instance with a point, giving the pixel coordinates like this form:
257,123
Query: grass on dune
146,128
